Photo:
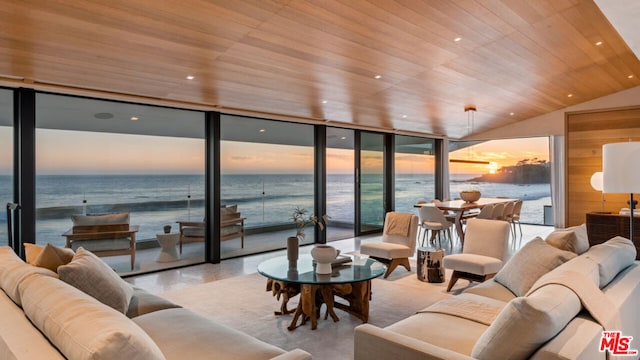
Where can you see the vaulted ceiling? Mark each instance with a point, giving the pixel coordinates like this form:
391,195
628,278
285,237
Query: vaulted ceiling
404,65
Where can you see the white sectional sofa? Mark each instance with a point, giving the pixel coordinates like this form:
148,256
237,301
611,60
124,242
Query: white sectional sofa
45,317
542,305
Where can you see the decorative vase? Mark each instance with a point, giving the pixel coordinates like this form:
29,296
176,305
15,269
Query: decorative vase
292,251
167,229
323,255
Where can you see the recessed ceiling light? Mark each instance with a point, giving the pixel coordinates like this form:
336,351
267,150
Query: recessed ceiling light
599,43
570,95
262,130
190,77
457,39
630,76
103,115
404,116
512,114
134,118
378,76
343,138
324,101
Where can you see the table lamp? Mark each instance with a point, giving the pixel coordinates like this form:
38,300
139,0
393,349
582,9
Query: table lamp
596,184
621,173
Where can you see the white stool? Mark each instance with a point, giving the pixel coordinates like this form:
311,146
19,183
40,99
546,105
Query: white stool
168,250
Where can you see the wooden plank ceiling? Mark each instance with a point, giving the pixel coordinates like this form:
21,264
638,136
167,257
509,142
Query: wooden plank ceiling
318,59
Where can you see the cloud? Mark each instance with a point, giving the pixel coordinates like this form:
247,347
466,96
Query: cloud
243,158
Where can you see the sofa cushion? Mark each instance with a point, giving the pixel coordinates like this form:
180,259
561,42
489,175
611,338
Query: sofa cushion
142,302
445,331
528,322
100,219
13,271
491,289
91,275
580,264
205,339
49,256
80,326
572,239
193,231
535,259
19,339
612,257
385,250
473,263
231,229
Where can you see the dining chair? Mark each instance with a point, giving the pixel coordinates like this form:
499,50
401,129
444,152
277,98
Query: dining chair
424,226
420,228
447,214
498,211
483,254
507,212
434,220
515,217
486,212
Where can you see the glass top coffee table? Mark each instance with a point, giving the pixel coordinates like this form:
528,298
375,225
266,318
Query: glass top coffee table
350,281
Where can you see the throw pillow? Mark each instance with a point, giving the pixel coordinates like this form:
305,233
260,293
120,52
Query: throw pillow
51,257
535,259
572,239
526,323
80,327
228,210
91,275
31,252
100,219
582,236
612,257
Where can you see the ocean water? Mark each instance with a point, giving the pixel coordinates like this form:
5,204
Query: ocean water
156,200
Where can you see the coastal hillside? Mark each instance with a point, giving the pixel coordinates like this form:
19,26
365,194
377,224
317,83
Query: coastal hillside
527,171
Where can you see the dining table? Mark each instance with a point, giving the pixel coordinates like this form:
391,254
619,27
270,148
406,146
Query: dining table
462,210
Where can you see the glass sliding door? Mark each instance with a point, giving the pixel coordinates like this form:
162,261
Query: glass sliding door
266,174
102,157
6,158
371,182
340,160
414,163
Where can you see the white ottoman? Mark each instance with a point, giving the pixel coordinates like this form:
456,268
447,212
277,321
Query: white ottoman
168,250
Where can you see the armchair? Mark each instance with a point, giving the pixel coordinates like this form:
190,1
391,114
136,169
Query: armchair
103,235
483,253
231,227
398,241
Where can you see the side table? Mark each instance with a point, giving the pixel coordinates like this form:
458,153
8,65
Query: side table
429,265
168,250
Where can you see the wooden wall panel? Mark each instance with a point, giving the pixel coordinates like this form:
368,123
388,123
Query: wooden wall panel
586,133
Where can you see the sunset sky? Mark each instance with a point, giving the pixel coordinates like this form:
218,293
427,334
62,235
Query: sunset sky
71,152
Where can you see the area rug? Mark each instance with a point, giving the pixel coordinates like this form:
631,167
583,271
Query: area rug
243,303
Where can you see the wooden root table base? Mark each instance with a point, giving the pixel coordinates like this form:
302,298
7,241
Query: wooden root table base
347,288
357,296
